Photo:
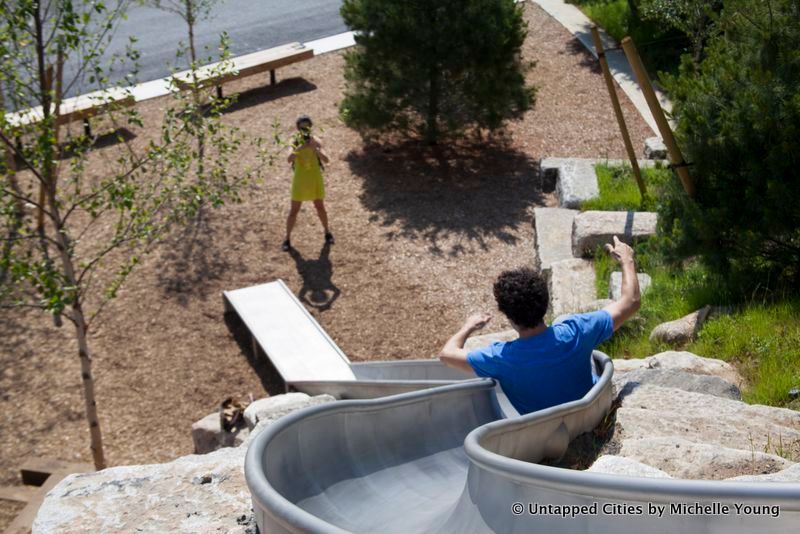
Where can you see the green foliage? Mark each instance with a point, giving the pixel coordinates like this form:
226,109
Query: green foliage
675,291
763,340
738,122
434,67
613,16
694,18
619,192
659,43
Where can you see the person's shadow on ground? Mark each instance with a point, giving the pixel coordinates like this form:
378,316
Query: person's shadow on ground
318,290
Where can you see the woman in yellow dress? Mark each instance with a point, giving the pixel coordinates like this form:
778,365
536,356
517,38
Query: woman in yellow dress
306,157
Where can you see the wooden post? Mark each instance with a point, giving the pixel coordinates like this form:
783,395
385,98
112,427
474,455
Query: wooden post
675,156
601,55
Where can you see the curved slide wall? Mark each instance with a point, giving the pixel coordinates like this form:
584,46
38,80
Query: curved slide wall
447,459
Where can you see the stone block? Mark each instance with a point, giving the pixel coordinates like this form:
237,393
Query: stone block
571,284
654,148
592,229
552,235
683,380
615,284
576,183
681,361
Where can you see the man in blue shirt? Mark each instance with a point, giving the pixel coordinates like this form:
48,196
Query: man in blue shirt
546,366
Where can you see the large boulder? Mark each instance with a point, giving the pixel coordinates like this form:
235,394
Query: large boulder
552,235
618,465
790,474
680,331
683,458
592,229
683,380
273,408
681,361
571,284
653,422
197,493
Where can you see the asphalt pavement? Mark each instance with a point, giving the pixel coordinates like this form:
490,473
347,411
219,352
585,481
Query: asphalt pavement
252,25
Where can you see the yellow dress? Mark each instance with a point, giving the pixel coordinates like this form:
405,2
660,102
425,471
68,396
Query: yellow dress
307,183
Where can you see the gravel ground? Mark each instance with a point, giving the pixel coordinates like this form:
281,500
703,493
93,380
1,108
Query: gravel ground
421,234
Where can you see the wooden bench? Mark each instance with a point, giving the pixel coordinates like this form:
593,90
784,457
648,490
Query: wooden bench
82,107
220,72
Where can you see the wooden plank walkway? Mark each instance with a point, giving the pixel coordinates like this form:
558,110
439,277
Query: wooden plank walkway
289,336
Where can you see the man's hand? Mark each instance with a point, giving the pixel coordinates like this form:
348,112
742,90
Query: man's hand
477,321
620,251
453,353
629,301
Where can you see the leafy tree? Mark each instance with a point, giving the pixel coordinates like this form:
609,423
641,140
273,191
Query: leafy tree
434,67
71,236
694,18
738,121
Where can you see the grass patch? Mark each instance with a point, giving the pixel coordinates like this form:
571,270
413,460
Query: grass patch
619,191
660,47
762,339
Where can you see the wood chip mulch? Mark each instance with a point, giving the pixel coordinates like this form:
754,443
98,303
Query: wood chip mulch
420,236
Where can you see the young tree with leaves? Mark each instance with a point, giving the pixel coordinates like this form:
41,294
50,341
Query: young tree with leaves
68,251
434,67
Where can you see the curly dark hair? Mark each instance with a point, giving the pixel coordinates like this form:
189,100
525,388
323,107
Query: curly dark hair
522,295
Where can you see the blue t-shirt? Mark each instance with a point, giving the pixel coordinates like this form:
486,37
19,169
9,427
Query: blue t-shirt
551,368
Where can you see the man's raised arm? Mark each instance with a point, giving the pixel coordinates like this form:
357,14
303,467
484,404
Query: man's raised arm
453,353
630,300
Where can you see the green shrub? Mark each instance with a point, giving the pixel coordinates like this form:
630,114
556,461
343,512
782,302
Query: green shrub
738,117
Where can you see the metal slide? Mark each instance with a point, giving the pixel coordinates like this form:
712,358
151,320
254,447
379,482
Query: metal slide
452,459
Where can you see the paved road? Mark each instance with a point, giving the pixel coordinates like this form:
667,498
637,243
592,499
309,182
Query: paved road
252,25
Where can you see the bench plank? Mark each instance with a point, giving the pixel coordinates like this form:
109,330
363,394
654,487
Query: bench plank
289,336
246,65
77,108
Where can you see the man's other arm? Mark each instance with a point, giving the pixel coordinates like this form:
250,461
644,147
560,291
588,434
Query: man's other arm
453,353
630,300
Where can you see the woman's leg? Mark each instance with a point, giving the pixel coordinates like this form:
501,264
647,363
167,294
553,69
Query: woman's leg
322,214
292,218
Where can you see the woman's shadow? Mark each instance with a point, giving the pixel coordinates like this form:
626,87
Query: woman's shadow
318,290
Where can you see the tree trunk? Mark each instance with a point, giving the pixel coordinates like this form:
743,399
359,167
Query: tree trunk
64,247
96,437
432,115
